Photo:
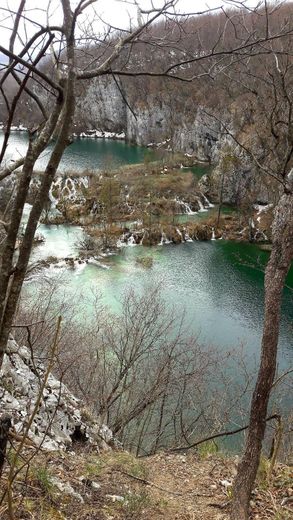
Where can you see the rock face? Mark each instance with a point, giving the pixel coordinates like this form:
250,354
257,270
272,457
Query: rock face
101,106
235,180
199,136
59,421
146,117
148,123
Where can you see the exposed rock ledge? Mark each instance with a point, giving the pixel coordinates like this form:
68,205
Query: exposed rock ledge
60,419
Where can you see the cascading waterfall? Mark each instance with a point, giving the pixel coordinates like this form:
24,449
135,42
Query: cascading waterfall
164,239
126,240
131,241
208,203
201,206
187,209
71,189
70,186
187,238
56,185
180,234
202,200
121,241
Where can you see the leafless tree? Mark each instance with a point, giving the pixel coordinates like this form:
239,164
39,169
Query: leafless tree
268,87
56,124
233,37
260,131
139,370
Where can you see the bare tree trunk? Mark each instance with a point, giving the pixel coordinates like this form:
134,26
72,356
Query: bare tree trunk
275,275
34,150
5,424
17,275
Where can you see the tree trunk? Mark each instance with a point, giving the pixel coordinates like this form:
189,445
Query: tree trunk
5,424
275,275
34,150
64,127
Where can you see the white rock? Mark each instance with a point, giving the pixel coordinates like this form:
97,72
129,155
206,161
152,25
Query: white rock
115,498
66,488
226,483
58,414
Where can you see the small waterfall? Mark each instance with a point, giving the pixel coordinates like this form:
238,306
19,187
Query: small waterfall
213,234
180,234
84,181
164,239
55,186
187,237
126,240
131,241
201,206
121,241
208,203
186,208
53,200
70,186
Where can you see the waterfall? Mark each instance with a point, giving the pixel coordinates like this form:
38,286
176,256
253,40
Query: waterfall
187,209
126,240
164,239
84,181
70,186
208,203
201,206
187,237
213,234
203,203
131,241
53,199
121,241
180,234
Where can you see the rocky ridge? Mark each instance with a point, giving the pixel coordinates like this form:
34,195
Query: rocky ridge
60,418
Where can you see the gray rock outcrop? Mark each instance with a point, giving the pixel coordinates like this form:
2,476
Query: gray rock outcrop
59,420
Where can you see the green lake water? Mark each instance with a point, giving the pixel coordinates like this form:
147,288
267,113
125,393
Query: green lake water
82,154
218,284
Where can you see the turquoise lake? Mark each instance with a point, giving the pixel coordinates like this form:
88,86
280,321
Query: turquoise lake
218,284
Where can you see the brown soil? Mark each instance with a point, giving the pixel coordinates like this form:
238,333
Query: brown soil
117,486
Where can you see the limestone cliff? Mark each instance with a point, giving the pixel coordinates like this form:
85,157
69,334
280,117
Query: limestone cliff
59,418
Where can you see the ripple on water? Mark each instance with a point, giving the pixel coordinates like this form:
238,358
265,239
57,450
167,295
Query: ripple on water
218,284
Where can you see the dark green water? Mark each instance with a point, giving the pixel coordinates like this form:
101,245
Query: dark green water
199,170
218,284
82,154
